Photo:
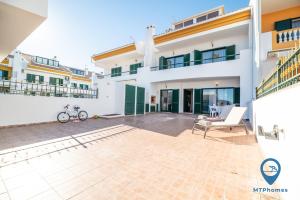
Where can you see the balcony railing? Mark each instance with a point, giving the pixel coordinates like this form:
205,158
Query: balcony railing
285,39
286,73
196,62
36,89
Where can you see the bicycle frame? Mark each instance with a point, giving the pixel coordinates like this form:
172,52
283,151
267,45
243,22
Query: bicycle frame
71,111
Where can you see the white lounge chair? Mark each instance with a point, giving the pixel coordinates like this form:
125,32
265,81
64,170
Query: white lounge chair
224,112
234,119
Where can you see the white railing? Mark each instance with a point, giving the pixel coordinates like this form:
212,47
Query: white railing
288,35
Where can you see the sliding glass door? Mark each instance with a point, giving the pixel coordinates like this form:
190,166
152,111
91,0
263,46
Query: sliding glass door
225,96
169,100
209,98
217,96
166,100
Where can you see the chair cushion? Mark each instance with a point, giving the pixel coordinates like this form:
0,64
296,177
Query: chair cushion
204,123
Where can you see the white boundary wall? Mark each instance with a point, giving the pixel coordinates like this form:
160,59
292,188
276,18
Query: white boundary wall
20,109
281,108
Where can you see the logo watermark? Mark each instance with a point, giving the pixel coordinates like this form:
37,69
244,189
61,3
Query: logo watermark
270,169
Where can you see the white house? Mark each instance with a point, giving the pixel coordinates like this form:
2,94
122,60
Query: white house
202,60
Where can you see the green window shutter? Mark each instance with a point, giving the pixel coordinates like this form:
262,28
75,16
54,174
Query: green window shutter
30,78
52,81
86,87
230,52
147,107
119,71
61,81
198,94
197,57
112,74
162,63
129,99
283,25
4,74
41,79
140,100
133,69
236,96
175,101
81,86
186,59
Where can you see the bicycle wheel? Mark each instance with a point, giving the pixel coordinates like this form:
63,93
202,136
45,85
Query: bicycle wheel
63,117
82,115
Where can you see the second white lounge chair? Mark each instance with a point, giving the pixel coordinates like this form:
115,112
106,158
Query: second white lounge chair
234,119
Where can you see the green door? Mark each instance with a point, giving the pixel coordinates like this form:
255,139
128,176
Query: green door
129,100
175,101
140,100
197,101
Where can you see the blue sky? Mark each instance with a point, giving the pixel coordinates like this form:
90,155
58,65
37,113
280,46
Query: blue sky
77,29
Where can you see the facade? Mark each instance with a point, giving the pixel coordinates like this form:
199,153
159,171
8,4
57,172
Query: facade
21,67
204,61
278,32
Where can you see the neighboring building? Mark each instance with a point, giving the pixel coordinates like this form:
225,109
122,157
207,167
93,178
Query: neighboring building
36,69
18,20
278,31
5,69
202,60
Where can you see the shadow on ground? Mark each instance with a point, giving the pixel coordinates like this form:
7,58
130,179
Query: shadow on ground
163,123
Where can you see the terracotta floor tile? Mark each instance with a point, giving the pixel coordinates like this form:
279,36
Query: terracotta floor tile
145,157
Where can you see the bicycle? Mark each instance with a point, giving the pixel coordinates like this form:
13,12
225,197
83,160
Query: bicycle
66,115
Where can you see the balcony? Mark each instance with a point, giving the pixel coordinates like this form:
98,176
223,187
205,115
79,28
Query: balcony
213,59
240,66
285,39
286,73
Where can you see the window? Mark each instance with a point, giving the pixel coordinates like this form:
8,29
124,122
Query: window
201,19
83,86
213,14
117,71
215,55
77,71
188,23
51,62
134,67
3,75
296,23
39,59
45,61
56,81
174,62
178,26
55,63
219,97
74,85
32,78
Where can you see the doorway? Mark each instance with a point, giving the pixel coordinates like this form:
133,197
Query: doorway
188,100
169,100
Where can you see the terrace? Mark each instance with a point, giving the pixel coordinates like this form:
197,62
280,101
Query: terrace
129,158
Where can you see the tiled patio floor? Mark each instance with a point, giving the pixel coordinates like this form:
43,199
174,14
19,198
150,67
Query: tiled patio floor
145,157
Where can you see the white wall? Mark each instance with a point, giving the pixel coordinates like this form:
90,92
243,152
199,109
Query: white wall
39,7
281,108
240,68
241,42
20,109
181,85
